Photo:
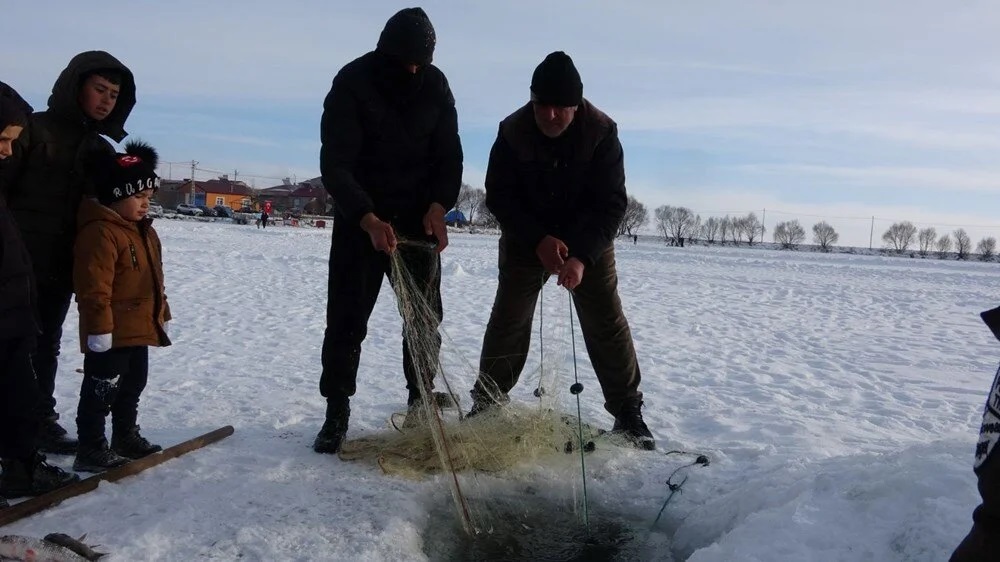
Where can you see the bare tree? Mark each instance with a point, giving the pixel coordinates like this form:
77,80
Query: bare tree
963,244
476,204
986,248
824,235
676,223
736,229
726,229
926,237
710,229
486,218
636,217
900,235
789,234
944,246
752,228
464,196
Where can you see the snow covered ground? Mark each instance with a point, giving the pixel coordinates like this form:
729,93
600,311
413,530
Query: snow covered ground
837,396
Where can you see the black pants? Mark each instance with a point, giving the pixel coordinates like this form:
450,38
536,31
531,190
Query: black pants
19,399
112,383
53,304
356,273
605,330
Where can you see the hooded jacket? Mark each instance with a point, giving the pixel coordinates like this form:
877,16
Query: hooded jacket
118,279
46,181
17,285
390,142
571,187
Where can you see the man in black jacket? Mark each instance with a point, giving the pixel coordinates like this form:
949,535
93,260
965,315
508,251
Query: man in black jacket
44,185
982,544
392,161
25,472
556,184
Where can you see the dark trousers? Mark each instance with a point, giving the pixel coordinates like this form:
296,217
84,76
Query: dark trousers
112,383
982,544
19,397
356,273
605,329
53,304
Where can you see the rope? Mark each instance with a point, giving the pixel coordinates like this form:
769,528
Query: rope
702,460
541,341
576,389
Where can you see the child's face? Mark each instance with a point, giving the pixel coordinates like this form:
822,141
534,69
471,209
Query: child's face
7,136
98,97
134,208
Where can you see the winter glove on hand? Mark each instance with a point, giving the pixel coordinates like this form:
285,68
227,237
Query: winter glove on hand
99,343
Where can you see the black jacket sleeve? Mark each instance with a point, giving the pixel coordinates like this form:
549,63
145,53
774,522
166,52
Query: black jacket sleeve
502,198
341,136
601,211
446,179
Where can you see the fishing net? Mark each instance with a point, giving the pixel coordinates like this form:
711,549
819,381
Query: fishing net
436,439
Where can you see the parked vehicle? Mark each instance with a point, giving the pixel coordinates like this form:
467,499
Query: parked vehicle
155,210
206,212
189,210
223,211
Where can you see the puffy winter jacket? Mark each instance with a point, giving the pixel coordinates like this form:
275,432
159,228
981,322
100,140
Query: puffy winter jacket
46,181
118,279
390,142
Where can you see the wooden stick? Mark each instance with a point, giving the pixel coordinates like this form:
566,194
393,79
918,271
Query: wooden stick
34,505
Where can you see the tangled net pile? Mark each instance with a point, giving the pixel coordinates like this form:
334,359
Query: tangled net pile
500,438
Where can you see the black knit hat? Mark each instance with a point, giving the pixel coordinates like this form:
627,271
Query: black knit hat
556,81
120,176
13,109
408,37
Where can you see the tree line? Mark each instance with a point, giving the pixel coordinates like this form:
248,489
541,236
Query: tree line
679,224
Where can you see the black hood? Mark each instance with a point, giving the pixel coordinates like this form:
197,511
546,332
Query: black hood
408,37
13,109
66,90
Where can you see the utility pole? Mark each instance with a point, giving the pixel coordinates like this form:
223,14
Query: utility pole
871,234
762,219
191,194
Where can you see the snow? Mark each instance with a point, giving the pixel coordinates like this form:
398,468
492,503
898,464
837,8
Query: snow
838,397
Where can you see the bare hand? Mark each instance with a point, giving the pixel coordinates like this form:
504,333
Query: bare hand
382,235
434,224
571,273
552,252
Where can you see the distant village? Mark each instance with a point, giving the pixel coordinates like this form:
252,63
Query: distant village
288,199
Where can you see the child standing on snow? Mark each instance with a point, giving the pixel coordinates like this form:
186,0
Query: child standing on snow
118,280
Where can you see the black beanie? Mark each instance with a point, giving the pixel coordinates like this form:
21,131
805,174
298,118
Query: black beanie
120,176
408,37
13,109
556,81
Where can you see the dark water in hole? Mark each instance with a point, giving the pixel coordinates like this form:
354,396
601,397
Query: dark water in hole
529,527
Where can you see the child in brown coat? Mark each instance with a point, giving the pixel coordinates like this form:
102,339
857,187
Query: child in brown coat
118,281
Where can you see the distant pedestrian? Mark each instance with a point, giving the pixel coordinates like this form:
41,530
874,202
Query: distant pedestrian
635,239
262,223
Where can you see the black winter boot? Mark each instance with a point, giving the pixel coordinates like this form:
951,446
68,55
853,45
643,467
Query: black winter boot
331,435
97,457
52,438
629,423
32,477
130,444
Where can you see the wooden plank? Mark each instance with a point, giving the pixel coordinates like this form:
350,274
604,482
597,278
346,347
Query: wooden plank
34,505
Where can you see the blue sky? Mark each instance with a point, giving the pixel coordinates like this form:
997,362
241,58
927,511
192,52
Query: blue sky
840,110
